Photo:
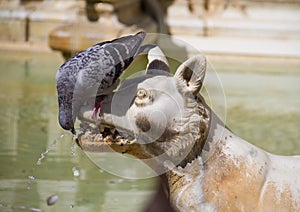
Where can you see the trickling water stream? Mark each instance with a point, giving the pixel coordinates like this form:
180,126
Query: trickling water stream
43,155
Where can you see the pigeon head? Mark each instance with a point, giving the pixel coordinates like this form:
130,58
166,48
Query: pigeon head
65,121
65,114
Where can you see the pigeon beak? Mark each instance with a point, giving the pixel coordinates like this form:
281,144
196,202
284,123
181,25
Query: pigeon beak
73,131
65,123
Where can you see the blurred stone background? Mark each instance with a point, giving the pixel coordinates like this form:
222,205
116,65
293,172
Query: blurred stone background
217,27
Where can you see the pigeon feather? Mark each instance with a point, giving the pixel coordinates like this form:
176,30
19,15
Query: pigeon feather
91,73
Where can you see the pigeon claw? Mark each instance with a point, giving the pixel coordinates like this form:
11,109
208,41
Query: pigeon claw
97,108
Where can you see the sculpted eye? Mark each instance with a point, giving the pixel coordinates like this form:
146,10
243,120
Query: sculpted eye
142,93
143,97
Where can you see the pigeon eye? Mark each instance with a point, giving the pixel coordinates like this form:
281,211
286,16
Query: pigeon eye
68,125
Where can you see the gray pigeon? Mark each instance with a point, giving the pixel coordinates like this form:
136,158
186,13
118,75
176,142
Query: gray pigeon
92,73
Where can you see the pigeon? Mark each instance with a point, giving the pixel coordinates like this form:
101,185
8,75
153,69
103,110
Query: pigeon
92,74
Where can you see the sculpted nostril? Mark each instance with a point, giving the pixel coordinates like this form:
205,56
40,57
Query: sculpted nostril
142,123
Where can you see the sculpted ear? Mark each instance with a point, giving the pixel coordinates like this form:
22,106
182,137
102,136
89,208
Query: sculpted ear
192,73
157,62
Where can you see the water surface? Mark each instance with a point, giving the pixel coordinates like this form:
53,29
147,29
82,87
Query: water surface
28,126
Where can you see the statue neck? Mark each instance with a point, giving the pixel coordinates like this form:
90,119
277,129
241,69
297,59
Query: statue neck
211,130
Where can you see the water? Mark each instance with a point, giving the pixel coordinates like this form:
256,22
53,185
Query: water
264,109
39,159
51,146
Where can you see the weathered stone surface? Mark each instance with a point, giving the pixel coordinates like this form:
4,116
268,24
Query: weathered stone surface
204,22
13,30
75,37
219,166
32,22
115,19
13,24
264,19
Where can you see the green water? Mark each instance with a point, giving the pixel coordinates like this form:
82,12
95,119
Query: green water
28,125
261,108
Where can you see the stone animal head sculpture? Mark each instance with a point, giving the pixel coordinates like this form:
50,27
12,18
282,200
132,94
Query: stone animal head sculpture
162,114
205,166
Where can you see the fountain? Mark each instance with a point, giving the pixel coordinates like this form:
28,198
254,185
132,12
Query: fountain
103,20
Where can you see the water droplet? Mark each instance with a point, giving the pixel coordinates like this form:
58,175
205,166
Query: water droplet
73,149
35,209
31,177
52,200
75,172
115,181
19,207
